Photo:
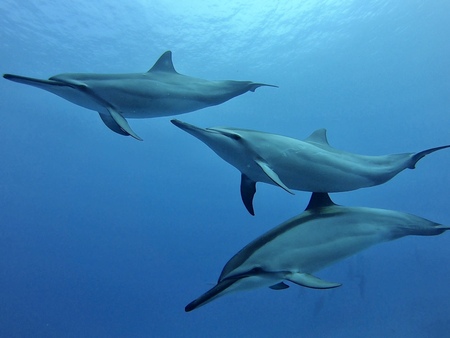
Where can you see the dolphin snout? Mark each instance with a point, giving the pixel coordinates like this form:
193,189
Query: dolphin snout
191,129
181,124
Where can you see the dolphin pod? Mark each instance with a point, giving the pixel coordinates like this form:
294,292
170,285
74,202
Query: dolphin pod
309,165
161,91
322,235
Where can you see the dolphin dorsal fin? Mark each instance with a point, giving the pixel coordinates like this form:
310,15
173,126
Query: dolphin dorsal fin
319,136
319,200
164,64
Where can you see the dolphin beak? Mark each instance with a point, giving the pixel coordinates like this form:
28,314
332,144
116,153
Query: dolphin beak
44,84
198,132
217,291
186,126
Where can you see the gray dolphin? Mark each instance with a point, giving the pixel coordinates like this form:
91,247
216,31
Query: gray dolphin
323,234
159,92
308,165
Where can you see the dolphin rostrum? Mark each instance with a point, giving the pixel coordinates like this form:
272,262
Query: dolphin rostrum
308,165
323,234
161,91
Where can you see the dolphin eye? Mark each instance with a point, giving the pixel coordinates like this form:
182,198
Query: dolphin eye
256,270
231,135
235,137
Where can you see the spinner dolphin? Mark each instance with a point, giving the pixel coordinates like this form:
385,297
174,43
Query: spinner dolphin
308,165
161,91
323,234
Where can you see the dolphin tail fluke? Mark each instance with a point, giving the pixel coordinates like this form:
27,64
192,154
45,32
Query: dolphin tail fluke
254,86
219,290
417,157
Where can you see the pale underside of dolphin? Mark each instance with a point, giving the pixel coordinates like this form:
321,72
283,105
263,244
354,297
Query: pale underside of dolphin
161,91
323,234
307,165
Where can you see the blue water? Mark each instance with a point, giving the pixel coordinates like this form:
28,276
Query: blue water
105,236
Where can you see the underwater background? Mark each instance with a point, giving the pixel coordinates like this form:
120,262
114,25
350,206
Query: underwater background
105,236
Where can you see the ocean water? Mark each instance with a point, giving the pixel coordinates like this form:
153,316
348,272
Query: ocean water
105,236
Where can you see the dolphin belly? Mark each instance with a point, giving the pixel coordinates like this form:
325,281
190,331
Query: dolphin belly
160,107
307,167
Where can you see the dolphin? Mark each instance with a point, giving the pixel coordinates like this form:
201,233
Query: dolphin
322,235
309,165
161,91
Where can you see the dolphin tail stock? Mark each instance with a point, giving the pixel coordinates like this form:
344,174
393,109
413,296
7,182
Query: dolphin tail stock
439,229
253,86
420,227
444,228
418,156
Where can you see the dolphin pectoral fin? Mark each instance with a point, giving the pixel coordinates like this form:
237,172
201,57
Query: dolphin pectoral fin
417,157
272,175
310,281
111,124
122,123
248,190
279,286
